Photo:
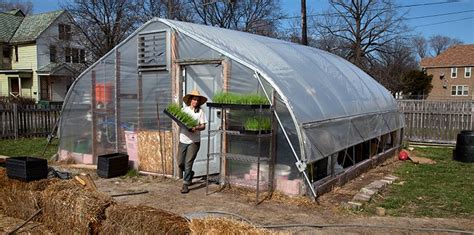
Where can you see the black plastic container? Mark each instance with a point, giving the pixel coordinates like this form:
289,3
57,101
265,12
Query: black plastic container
464,151
112,165
27,168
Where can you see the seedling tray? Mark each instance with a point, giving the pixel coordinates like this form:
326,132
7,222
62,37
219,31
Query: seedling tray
112,165
27,168
180,123
238,106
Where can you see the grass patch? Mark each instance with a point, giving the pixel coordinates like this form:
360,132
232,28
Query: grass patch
185,118
234,98
441,190
132,173
28,147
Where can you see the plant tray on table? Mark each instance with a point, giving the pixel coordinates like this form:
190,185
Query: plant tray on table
258,125
183,119
234,100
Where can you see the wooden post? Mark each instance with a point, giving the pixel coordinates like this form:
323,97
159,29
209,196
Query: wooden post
175,95
118,134
140,100
15,120
226,73
94,121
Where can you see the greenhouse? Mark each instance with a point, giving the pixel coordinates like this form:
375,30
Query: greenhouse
330,120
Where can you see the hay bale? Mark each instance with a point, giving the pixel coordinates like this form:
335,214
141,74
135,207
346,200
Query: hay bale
224,226
127,219
21,199
155,148
69,208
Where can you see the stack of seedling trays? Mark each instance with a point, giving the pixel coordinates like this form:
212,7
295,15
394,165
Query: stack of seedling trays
26,168
112,165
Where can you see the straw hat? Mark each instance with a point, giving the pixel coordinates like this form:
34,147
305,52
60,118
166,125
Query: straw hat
194,93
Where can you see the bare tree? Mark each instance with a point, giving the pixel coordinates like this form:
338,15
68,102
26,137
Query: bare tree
364,26
420,46
102,24
255,16
440,43
392,64
173,9
25,6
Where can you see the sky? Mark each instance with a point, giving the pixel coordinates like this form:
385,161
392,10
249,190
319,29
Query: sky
453,18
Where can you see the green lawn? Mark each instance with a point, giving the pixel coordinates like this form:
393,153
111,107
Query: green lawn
28,147
445,189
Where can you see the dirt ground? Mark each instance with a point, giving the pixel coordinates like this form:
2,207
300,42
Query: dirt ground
164,193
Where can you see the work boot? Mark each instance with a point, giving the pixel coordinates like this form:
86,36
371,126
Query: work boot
185,189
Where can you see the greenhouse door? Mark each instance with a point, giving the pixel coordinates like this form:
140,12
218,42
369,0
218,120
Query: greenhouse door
206,79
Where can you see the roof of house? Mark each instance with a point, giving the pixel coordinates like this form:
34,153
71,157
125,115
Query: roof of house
9,23
16,12
459,55
32,26
52,68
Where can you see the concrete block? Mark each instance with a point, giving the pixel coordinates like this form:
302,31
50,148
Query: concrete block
380,211
361,197
355,205
391,177
387,181
377,185
367,191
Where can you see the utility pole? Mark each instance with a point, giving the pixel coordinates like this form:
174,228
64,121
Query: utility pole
304,29
170,9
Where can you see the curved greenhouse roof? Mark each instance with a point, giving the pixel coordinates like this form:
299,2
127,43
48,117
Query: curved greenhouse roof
334,104
317,85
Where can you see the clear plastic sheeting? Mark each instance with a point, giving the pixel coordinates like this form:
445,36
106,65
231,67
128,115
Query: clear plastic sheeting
370,126
308,79
331,137
324,103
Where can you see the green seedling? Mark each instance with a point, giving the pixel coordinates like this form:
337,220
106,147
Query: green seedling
258,123
234,98
183,117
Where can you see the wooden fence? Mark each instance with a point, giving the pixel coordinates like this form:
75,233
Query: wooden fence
436,121
27,120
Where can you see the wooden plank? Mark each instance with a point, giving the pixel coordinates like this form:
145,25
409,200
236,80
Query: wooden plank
176,91
94,116
118,132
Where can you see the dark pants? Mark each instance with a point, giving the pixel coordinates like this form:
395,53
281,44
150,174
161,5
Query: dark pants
188,153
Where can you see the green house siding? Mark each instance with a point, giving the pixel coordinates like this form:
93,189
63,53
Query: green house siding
27,59
3,85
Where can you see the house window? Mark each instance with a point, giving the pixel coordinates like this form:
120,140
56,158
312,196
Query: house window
68,55
454,72
82,56
467,72
6,52
460,90
16,53
52,54
75,55
64,31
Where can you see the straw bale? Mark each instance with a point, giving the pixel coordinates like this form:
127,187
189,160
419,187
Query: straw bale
151,154
127,219
20,199
7,224
224,226
69,208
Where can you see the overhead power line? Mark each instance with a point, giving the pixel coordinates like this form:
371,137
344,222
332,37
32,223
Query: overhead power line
400,6
443,22
436,15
